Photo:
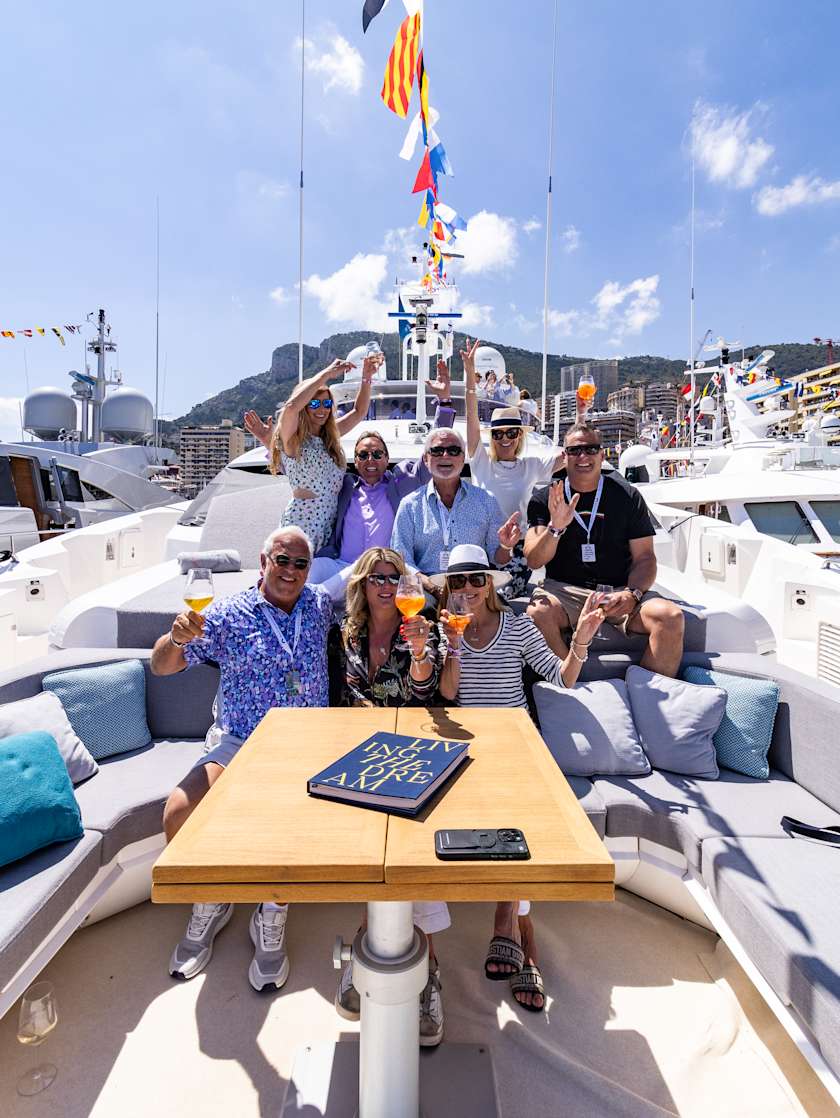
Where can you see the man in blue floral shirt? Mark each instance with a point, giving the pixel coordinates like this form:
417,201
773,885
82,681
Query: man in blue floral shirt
270,643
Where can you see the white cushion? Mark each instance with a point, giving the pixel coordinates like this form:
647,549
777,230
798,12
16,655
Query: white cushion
45,712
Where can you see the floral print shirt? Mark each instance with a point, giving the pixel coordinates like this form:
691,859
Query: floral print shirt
257,672
392,685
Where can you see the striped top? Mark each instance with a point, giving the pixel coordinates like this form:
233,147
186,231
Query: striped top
492,676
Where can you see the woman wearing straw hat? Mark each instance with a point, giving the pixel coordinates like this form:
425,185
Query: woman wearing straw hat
485,668
505,470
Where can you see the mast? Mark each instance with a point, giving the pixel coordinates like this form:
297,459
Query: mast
691,359
548,214
156,427
300,206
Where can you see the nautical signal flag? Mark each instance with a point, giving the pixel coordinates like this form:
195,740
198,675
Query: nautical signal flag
425,177
439,159
402,61
423,89
370,11
58,334
428,209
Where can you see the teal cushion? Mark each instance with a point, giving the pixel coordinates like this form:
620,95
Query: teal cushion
742,740
106,705
37,805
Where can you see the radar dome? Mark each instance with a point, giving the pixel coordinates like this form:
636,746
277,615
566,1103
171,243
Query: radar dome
46,411
127,415
357,356
830,423
489,360
638,464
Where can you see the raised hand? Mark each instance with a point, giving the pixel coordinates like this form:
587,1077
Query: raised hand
591,617
561,512
336,368
442,387
369,366
261,430
510,533
468,357
187,626
415,631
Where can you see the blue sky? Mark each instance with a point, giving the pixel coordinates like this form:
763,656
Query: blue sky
105,107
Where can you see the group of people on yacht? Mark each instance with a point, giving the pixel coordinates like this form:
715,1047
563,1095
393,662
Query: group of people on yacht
344,542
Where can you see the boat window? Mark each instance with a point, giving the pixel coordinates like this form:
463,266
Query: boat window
8,493
93,492
723,514
782,520
829,514
71,484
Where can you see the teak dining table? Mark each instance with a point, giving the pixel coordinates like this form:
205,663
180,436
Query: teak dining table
258,836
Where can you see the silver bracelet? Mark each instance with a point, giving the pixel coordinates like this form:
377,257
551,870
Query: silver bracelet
178,644
580,659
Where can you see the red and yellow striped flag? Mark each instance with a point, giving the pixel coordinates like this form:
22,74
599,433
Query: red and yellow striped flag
399,73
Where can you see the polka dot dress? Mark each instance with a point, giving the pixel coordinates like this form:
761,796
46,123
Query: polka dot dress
313,469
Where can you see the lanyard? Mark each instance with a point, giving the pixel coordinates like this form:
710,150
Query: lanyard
587,527
281,640
445,518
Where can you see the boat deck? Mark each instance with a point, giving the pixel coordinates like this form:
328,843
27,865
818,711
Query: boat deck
642,1020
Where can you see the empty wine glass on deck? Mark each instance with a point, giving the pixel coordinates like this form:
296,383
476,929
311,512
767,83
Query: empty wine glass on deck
460,611
38,1017
198,589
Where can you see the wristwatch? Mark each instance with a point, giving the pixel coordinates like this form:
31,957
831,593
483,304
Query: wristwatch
637,594
556,532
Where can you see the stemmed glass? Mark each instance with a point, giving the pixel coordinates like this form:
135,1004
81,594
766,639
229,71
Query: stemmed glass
198,590
460,611
410,596
38,1017
586,389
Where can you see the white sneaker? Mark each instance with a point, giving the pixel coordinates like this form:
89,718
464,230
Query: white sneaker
270,965
192,954
431,1011
347,1000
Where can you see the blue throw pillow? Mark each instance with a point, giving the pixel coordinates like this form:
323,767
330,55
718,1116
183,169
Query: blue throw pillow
37,805
742,740
106,705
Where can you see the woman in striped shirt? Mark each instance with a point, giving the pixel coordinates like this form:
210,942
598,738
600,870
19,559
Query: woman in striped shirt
485,668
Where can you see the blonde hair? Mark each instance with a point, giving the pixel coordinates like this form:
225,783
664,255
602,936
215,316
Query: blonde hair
494,602
358,612
328,434
520,446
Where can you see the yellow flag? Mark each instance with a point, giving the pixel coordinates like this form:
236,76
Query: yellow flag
40,330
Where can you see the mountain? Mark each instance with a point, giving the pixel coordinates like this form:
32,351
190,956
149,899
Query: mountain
264,391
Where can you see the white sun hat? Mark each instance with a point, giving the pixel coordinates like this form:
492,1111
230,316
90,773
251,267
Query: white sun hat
467,559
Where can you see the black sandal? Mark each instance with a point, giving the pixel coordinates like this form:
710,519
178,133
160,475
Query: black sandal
503,952
528,981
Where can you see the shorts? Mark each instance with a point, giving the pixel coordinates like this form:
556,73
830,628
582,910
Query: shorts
572,598
220,748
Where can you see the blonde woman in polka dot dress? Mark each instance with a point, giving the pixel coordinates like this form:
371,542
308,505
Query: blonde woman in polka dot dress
306,441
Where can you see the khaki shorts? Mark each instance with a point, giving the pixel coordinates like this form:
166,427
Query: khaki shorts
572,598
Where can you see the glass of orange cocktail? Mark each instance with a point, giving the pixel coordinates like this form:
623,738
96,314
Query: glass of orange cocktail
460,612
586,389
410,597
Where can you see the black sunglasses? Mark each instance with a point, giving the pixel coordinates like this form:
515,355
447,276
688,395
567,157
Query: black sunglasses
286,560
505,433
589,448
452,450
377,455
315,404
458,582
380,580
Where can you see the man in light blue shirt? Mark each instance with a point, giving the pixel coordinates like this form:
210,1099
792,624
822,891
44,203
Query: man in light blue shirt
448,511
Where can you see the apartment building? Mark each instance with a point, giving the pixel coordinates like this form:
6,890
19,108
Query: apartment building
206,450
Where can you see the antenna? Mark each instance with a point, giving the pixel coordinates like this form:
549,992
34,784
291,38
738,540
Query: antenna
300,208
548,213
691,356
156,426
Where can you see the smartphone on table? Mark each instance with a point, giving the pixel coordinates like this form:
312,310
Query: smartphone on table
481,844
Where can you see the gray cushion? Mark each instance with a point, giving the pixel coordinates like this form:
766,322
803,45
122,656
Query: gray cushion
36,892
222,560
45,712
590,801
675,721
141,620
125,799
680,812
781,897
589,728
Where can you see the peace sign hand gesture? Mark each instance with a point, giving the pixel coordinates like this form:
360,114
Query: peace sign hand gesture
510,532
468,357
561,513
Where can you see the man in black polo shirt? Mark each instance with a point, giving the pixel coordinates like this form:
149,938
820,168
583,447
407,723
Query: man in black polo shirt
591,530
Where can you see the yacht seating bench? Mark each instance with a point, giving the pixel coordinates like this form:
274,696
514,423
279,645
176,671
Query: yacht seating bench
713,851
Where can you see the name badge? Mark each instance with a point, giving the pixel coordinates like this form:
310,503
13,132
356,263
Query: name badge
293,683
443,561
587,552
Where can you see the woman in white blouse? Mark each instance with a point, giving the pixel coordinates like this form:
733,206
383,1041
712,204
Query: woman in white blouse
485,668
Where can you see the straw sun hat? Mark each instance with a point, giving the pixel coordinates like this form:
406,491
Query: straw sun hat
467,559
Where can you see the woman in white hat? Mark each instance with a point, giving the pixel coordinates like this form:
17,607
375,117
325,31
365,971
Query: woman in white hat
485,668
505,470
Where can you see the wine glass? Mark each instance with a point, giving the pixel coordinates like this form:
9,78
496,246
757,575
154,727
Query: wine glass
460,611
38,1017
410,596
374,350
198,590
586,389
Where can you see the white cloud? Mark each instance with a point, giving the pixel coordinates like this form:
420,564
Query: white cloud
337,62
570,239
488,243
10,418
804,190
280,296
619,310
474,315
724,146
531,226
352,294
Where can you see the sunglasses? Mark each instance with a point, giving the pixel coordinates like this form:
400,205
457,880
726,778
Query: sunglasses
315,404
286,561
458,582
505,433
452,450
376,455
589,448
380,580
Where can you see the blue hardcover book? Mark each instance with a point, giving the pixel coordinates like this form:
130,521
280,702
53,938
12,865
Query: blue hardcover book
391,772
